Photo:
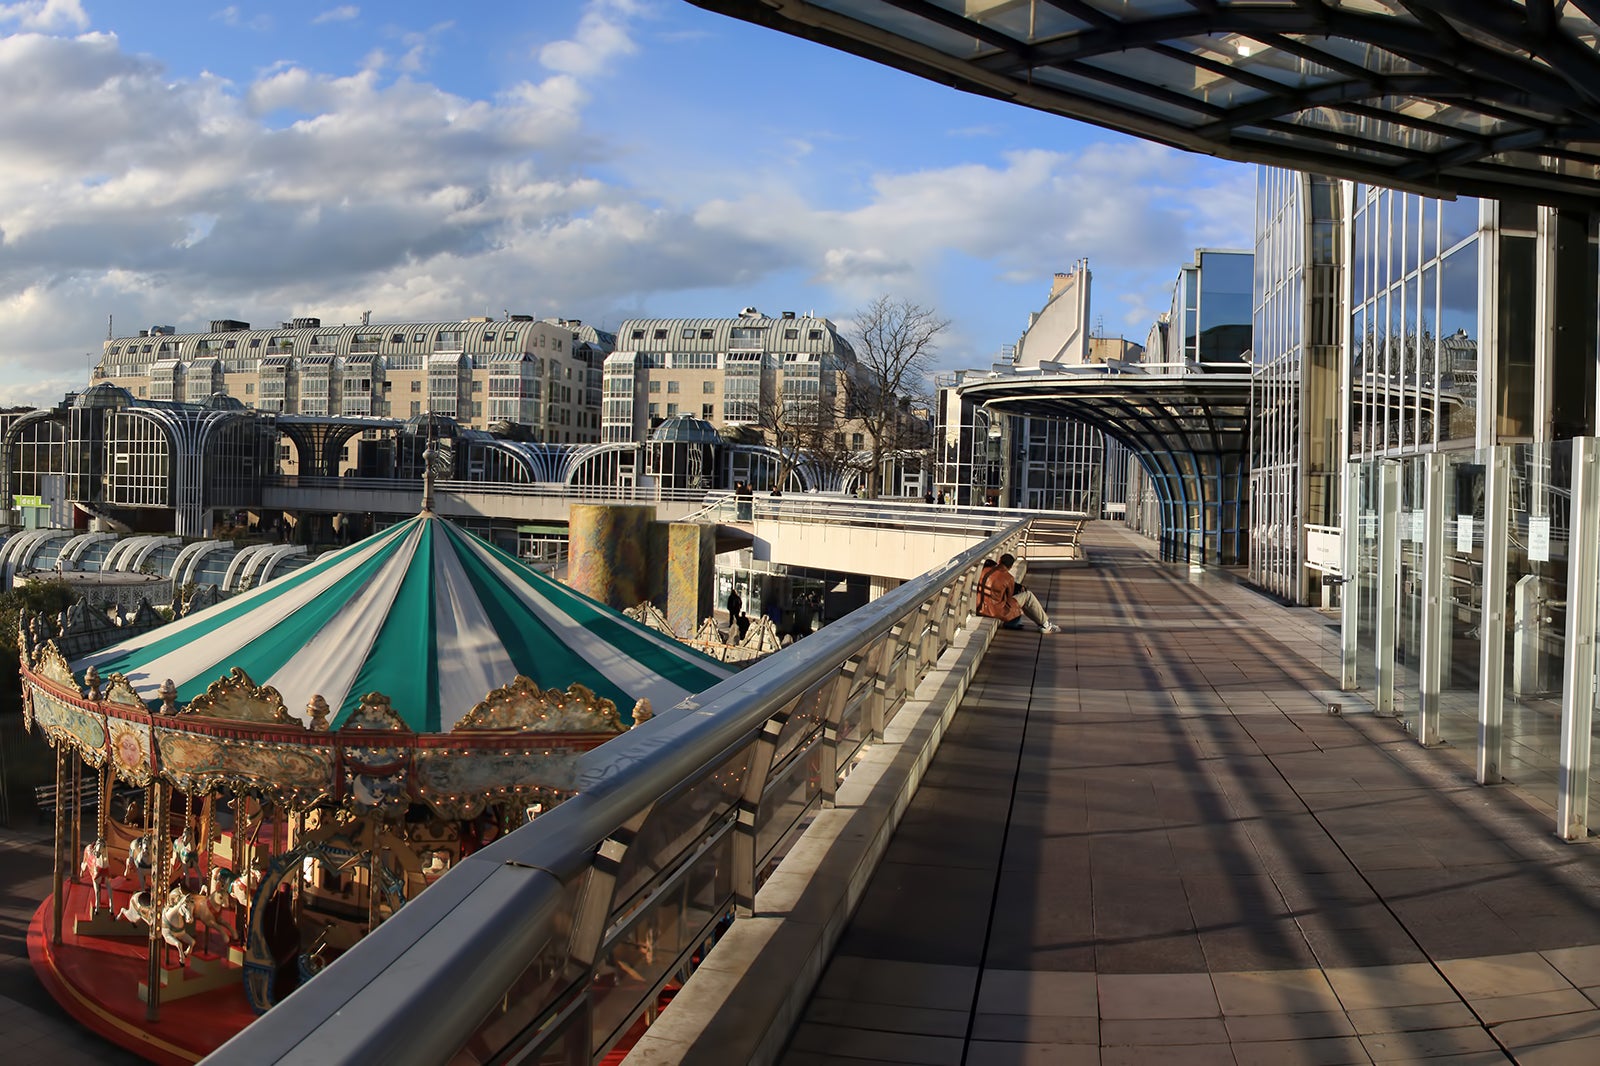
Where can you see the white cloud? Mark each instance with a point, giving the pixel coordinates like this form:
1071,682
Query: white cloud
127,191
343,13
233,16
601,39
45,16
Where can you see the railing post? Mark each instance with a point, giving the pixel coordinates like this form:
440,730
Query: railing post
833,713
881,659
1492,619
1350,590
1434,600
1577,689
1388,584
759,769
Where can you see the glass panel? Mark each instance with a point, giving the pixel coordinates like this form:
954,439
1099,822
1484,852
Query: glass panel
1514,371
1536,586
1458,344
1463,601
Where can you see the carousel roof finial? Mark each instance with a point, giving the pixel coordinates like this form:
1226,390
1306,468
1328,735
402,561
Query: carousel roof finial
428,454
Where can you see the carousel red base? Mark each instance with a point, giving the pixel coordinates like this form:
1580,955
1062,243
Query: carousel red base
97,980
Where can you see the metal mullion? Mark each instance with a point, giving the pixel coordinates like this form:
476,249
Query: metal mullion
1578,672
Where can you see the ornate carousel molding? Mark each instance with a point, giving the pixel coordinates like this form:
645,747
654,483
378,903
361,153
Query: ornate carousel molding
523,706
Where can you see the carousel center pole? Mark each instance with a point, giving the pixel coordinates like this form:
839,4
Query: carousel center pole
161,846
57,880
76,821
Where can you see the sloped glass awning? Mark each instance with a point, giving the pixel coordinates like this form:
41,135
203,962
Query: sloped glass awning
1190,430
1487,98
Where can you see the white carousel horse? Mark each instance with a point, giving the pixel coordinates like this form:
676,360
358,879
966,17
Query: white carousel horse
175,916
141,859
94,867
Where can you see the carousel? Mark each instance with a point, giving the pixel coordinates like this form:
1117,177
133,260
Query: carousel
266,780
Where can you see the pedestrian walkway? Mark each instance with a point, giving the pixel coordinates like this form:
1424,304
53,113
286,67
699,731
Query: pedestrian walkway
1147,840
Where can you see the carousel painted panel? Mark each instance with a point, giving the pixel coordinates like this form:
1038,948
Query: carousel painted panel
460,783
82,728
295,774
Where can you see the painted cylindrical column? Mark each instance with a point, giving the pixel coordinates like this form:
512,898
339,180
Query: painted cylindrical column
608,552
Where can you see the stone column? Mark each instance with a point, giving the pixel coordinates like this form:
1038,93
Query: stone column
690,559
608,548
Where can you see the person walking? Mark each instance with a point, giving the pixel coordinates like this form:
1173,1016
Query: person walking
1001,597
735,605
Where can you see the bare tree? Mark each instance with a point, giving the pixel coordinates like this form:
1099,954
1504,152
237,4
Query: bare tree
895,341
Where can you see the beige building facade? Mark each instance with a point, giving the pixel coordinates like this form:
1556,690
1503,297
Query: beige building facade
748,370
542,374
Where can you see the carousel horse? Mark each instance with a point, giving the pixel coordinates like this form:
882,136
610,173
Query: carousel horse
141,859
185,856
95,868
175,916
139,909
211,905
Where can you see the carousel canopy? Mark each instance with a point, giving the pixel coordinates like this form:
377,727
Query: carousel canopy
425,613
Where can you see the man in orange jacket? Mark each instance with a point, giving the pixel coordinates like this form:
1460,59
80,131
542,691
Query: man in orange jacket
999,596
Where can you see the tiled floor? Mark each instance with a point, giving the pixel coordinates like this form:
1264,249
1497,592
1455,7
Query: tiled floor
1145,840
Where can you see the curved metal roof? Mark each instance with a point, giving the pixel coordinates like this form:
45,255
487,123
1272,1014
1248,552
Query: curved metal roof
1492,98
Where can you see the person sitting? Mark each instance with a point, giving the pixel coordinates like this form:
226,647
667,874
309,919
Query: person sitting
743,622
999,596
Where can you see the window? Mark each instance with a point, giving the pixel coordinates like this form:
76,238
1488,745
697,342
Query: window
477,386
397,338
708,387
672,409
791,334
638,335
674,386
488,336
115,350
655,410
418,338
856,442
660,334
688,334
229,344
249,388
813,335
655,386
416,385
416,407
705,334
255,342
708,411
509,338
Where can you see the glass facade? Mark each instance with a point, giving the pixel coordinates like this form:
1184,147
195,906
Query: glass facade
1415,268
1294,461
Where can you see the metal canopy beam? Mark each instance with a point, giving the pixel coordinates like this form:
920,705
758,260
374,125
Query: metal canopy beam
1497,99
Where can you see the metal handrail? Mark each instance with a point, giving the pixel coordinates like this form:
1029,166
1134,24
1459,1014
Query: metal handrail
418,987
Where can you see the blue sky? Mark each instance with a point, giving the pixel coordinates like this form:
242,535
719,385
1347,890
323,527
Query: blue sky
596,159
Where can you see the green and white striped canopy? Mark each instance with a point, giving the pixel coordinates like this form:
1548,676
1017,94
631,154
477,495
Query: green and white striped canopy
425,613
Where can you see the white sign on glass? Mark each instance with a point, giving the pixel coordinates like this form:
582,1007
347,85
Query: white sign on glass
1539,539
1464,534
1417,526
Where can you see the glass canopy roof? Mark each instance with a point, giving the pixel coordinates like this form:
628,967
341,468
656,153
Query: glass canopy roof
1491,98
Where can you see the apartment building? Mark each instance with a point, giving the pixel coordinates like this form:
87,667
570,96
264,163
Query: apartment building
741,371
540,373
